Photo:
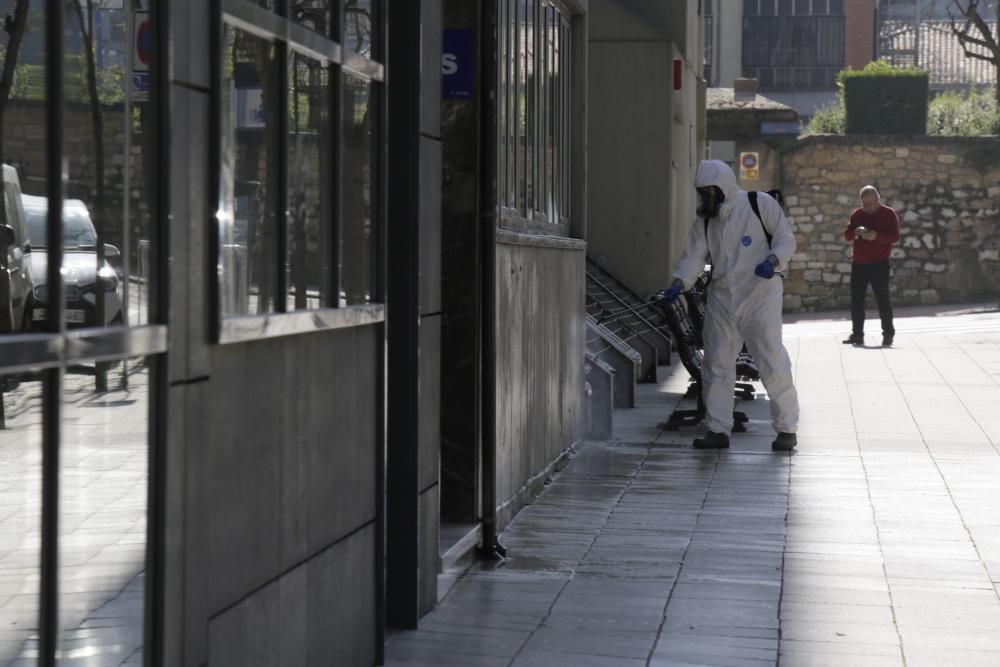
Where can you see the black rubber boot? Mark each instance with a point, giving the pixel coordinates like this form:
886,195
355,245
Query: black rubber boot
886,341
712,440
854,339
785,442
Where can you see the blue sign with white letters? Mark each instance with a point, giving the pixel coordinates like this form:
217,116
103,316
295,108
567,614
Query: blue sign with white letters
458,64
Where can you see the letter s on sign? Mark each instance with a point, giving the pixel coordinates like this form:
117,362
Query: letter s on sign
449,64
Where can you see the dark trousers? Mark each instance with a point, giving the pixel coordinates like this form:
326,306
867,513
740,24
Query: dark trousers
877,275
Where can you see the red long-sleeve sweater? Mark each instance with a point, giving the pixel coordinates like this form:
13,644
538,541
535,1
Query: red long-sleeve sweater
883,222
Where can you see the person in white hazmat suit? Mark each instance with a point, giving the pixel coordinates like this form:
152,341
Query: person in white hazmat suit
744,300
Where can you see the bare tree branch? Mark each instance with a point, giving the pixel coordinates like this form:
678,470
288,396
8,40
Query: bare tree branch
14,26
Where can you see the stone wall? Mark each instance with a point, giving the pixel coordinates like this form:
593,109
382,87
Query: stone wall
946,191
25,145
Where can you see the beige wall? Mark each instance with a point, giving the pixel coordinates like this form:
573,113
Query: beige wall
643,139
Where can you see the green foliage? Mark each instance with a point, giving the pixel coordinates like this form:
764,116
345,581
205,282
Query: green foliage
963,114
878,68
880,99
828,119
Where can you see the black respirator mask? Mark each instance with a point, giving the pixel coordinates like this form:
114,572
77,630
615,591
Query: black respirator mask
710,201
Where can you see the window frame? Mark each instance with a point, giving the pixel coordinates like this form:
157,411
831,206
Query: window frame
761,59
290,36
543,153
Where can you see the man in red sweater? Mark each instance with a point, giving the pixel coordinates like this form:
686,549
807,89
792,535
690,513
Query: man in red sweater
874,228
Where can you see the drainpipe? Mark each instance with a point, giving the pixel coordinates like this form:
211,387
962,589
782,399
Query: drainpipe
490,549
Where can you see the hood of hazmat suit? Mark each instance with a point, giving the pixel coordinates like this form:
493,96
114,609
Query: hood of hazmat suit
742,307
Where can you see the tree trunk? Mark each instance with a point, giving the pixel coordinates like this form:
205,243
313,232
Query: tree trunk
96,120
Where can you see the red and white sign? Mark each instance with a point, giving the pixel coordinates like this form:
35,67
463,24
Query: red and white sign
141,38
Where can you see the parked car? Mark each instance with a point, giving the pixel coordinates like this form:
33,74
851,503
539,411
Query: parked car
81,277
17,285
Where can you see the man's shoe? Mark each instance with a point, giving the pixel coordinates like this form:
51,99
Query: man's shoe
886,341
785,442
854,339
712,440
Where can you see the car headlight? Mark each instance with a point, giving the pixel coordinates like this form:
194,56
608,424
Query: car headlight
41,292
108,278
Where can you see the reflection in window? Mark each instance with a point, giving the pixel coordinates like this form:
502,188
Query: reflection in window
310,161
22,152
20,514
102,513
358,21
312,14
107,203
251,175
356,229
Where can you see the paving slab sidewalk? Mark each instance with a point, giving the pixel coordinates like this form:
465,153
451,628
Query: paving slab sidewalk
876,543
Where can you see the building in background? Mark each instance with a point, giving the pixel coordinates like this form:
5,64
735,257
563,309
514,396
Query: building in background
793,48
918,33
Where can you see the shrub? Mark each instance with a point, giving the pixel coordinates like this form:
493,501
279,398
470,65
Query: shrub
828,119
881,99
963,114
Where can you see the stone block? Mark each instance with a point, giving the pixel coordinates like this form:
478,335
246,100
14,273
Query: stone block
929,296
833,278
933,267
902,152
991,255
947,159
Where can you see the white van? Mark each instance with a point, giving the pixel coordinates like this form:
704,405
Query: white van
17,286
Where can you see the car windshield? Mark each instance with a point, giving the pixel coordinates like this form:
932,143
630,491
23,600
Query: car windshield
78,232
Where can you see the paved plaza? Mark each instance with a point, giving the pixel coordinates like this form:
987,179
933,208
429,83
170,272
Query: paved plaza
876,543
102,518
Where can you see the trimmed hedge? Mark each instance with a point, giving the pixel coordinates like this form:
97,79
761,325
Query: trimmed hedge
880,99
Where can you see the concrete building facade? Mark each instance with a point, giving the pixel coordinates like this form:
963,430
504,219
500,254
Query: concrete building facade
347,290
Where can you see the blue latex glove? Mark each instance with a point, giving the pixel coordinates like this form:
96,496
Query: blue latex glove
765,269
671,294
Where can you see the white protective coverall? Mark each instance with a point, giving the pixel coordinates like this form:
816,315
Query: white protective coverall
742,307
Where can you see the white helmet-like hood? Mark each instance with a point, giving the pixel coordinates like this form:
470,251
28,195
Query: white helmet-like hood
718,173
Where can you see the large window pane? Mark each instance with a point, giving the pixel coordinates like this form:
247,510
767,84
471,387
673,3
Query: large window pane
359,19
251,183
20,515
102,514
310,182
313,14
359,116
22,151
105,213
